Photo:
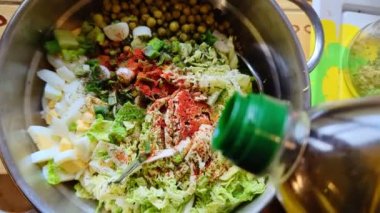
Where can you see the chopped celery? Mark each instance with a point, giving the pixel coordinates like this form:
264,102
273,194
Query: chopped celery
66,39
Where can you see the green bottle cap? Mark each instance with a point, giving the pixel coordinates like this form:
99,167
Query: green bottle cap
250,130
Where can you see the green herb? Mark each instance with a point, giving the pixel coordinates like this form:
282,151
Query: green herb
90,47
209,38
96,84
92,63
96,35
86,27
73,127
52,47
101,110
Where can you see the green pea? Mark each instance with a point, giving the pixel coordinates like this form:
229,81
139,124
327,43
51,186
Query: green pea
198,19
157,14
168,17
193,2
191,18
210,20
186,28
205,8
183,37
196,36
161,32
178,6
124,5
144,10
116,8
174,26
201,29
132,25
151,22
160,21
176,14
186,11
182,19
145,17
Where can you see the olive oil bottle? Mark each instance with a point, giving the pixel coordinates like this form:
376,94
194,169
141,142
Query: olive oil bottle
327,160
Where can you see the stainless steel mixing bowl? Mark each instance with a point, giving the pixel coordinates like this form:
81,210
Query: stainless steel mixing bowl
269,46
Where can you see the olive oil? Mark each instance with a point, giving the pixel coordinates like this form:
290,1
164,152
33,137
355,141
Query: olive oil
326,161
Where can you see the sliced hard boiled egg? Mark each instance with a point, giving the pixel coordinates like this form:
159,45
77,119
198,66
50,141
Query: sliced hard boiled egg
44,155
42,136
73,166
66,74
65,144
52,93
51,78
69,155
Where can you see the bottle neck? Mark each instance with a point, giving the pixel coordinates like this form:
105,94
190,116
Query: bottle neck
293,147
261,134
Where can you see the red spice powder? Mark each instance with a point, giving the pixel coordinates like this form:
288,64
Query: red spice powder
192,114
151,84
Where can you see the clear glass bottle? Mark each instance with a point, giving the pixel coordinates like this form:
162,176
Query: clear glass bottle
331,164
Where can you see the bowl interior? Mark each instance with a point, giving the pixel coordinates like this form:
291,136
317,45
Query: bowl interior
268,46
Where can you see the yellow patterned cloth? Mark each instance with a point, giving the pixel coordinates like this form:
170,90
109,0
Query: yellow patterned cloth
330,80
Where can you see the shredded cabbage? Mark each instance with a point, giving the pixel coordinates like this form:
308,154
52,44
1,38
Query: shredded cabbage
98,125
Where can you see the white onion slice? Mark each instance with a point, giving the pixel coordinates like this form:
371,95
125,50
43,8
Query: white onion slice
222,46
117,32
106,72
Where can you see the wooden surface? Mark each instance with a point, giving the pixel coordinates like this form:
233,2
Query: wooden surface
300,22
11,199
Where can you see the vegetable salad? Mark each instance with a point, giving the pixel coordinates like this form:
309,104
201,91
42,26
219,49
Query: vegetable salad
118,95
